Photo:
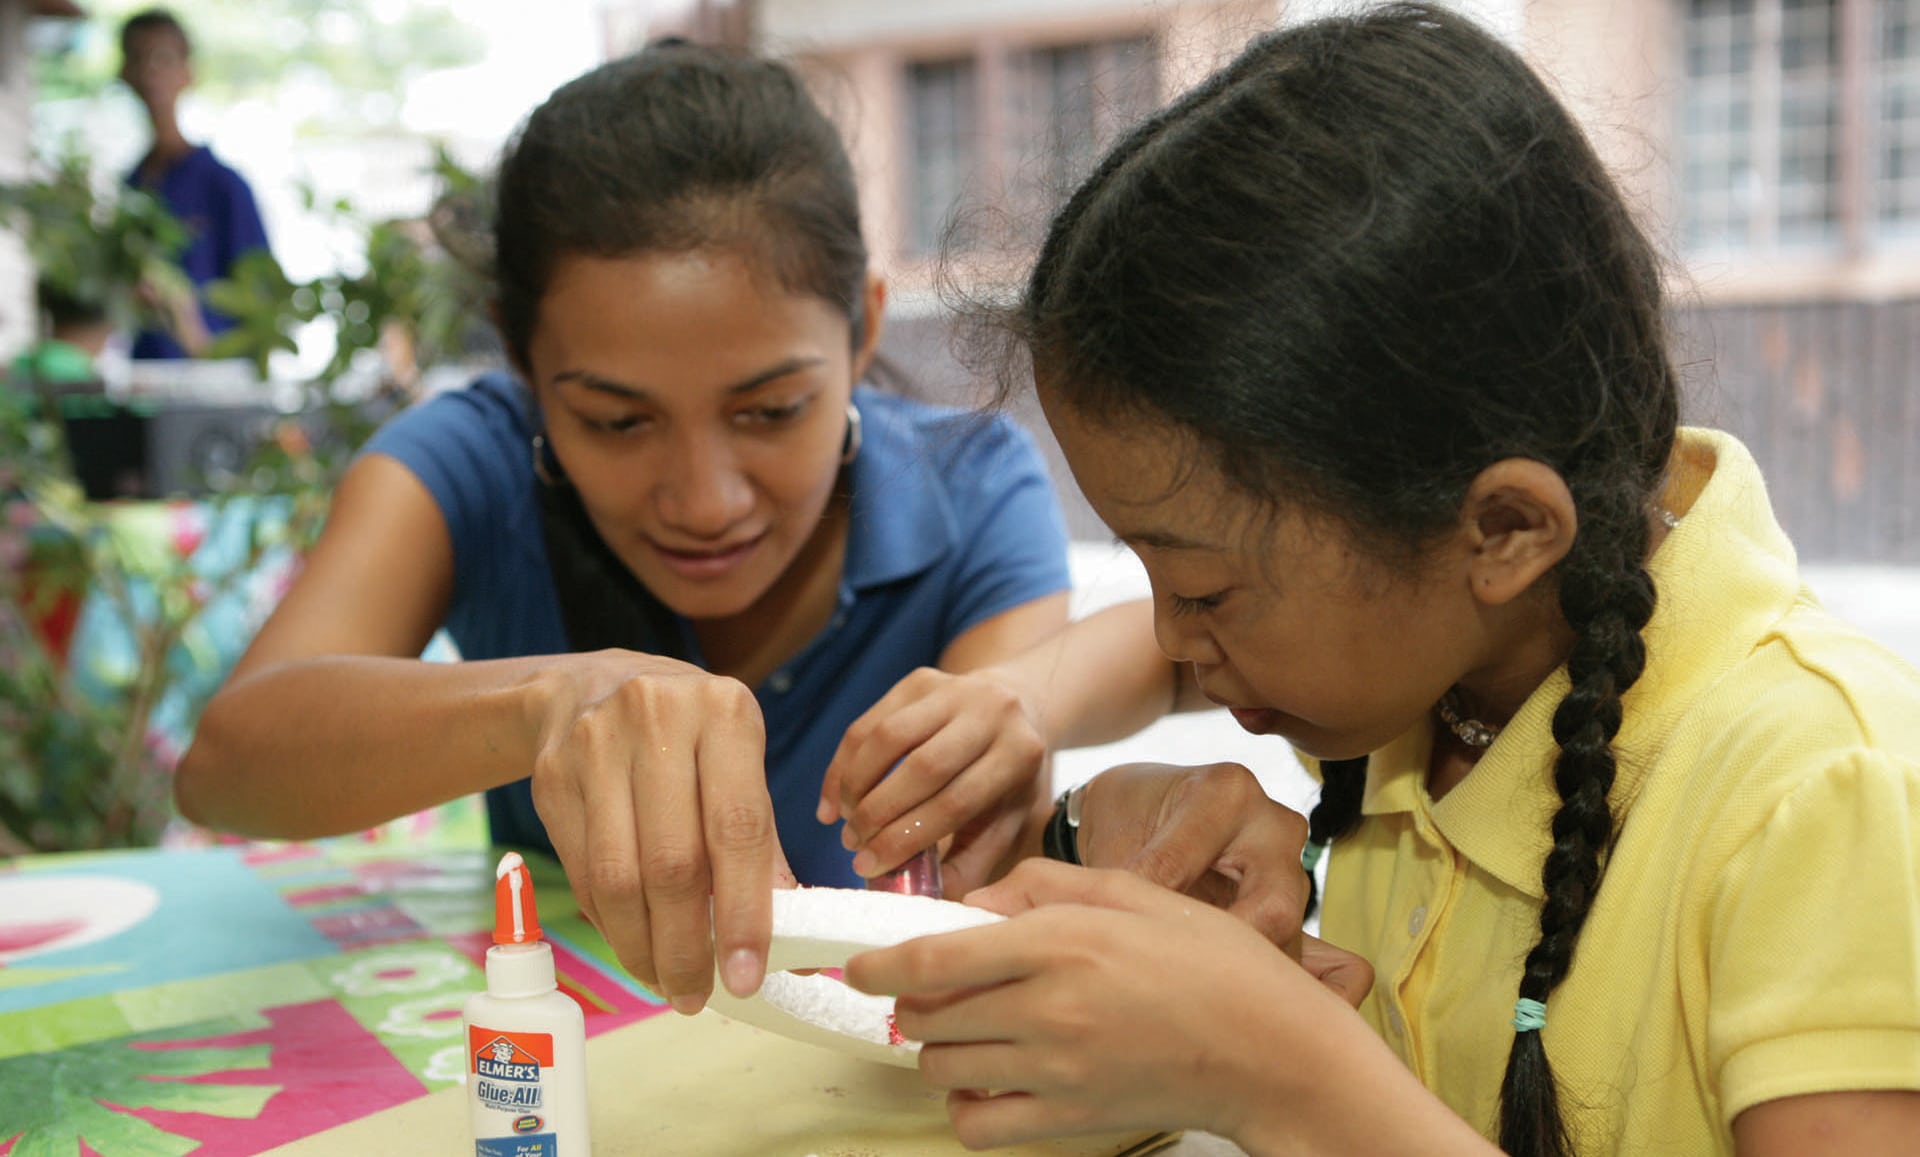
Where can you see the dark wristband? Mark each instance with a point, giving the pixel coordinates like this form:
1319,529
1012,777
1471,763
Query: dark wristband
1061,838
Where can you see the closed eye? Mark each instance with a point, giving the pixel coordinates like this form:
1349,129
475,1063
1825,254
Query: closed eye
1183,606
622,425
771,415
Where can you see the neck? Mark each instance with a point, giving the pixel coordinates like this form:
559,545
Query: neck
1538,643
169,142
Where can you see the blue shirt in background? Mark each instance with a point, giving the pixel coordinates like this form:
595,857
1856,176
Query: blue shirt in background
222,221
953,521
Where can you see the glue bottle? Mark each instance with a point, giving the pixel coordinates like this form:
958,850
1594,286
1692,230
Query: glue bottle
525,1039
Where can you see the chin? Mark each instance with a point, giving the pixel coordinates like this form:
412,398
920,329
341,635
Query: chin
1327,748
694,602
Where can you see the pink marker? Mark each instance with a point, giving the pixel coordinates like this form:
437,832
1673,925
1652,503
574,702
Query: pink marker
918,876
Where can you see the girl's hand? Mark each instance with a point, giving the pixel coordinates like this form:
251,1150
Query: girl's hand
1210,832
651,781
940,754
1110,1004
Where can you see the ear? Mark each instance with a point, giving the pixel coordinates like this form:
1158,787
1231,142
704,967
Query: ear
1519,520
873,309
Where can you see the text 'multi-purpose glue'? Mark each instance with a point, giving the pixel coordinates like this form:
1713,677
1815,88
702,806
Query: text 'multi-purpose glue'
526,1040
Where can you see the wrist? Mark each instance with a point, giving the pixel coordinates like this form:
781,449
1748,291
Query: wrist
1060,840
535,694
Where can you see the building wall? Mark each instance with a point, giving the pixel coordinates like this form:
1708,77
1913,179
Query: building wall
1612,62
824,26
1813,361
16,113
855,53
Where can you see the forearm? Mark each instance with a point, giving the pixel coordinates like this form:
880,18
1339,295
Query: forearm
189,327
1098,679
1364,1100
335,744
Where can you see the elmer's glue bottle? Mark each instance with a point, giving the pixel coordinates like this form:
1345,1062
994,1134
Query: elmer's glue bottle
525,1039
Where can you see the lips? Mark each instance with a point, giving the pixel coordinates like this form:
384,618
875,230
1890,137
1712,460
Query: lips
706,565
1256,720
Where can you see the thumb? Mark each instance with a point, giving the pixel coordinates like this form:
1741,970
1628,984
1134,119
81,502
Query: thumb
1347,974
977,852
1179,852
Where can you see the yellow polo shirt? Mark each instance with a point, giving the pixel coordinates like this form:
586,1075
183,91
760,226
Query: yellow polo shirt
1757,931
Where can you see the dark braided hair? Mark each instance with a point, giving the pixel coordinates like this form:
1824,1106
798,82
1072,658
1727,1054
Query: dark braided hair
1367,260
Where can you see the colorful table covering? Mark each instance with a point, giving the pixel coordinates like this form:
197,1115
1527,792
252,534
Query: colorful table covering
221,1001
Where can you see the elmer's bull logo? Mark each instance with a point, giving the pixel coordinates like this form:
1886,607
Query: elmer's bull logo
506,1067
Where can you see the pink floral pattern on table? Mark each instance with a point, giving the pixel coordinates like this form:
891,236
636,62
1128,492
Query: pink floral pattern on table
332,990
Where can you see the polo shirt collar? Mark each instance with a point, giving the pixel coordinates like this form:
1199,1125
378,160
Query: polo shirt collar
1724,576
899,520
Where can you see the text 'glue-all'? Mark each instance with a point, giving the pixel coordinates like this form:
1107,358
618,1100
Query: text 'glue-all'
525,1039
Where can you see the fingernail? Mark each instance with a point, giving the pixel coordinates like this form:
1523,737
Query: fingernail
847,838
865,863
687,1005
742,972
823,813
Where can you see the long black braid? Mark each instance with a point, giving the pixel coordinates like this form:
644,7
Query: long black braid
1606,596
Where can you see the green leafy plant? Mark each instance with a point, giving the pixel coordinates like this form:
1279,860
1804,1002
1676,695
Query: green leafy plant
84,766
83,769
97,248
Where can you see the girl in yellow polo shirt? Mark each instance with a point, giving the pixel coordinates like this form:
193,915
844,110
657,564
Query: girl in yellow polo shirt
1357,345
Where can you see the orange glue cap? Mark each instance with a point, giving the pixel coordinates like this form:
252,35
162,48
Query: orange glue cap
516,919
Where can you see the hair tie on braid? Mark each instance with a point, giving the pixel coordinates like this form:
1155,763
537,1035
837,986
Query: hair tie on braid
1529,1015
1310,856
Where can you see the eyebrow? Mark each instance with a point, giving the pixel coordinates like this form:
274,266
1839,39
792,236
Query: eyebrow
606,385
1161,540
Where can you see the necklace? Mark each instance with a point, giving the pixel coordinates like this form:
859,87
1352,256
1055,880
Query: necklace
1471,732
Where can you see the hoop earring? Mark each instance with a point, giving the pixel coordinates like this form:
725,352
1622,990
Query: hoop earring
540,471
851,446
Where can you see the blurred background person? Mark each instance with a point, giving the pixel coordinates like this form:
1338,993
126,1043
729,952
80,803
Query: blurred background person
215,201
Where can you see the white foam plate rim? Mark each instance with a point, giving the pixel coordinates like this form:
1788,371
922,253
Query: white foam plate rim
823,928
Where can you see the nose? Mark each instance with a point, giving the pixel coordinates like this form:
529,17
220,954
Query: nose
702,489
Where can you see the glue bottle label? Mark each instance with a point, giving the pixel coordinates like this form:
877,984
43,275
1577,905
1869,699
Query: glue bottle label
507,1067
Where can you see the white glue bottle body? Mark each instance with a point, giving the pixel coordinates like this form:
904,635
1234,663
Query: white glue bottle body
525,1039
